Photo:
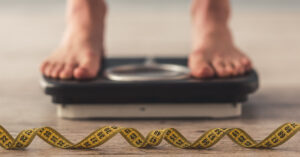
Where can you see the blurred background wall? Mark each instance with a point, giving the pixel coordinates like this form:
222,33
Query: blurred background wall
267,30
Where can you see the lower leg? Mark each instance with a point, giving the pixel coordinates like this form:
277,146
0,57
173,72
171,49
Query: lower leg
81,49
214,52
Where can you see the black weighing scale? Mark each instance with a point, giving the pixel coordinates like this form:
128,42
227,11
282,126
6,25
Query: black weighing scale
149,88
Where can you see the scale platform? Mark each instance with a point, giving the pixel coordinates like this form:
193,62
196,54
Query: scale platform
183,98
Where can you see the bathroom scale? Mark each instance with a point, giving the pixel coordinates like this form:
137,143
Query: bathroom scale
149,88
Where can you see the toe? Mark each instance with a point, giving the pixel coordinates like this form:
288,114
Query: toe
83,72
67,71
48,69
43,66
246,63
235,71
199,67
239,67
220,69
203,70
87,70
229,69
56,70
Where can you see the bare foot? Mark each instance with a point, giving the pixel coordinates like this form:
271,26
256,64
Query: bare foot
81,50
214,53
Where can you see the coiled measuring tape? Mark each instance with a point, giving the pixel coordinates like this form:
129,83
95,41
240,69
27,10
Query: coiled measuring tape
154,138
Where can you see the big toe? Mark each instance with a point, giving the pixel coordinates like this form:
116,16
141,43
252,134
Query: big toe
67,72
203,71
86,71
200,68
221,69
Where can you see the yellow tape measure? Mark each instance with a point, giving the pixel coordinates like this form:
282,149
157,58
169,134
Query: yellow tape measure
154,138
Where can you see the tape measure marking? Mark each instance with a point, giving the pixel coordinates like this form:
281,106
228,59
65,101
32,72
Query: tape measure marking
154,138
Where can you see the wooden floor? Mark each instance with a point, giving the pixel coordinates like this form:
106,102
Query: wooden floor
271,39
265,111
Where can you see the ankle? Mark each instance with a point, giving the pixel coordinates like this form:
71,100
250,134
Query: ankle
212,13
86,21
87,7
87,14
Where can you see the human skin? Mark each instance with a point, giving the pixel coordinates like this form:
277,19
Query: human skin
213,52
